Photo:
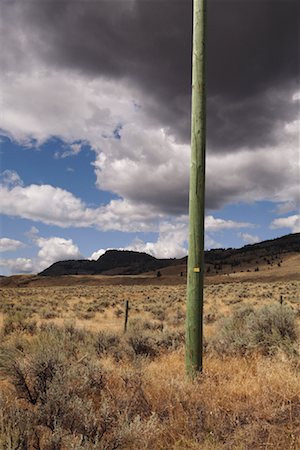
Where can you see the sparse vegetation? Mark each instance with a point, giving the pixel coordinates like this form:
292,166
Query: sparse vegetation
76,381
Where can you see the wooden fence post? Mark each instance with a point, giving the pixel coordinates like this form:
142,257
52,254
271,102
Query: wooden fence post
126,305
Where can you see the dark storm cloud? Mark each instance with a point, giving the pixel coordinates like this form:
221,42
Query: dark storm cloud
250,121
252,70
252,48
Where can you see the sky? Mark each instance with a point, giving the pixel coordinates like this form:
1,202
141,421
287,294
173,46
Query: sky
95,99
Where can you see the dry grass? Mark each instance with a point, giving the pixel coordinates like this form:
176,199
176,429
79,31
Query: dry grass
72,380
101,307
239,403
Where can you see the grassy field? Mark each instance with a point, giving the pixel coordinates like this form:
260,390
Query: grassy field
71,379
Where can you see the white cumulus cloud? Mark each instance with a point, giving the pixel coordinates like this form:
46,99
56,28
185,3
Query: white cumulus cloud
51,250
249,238
55,249
172,241
9,245
146,166
96,255
214,224
18,265
55,206
292,222
70,106
10,178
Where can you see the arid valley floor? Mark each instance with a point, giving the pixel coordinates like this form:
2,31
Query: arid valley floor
72,379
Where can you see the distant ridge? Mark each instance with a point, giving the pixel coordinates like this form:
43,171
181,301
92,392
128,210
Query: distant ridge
125,262
113,262
289,243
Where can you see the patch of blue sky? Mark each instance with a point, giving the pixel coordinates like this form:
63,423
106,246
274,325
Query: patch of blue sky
18,228
13,228
40,166
260,214
221,239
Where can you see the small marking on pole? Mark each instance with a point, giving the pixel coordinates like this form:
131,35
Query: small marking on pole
197,269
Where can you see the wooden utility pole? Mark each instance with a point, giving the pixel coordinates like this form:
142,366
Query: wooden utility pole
194,313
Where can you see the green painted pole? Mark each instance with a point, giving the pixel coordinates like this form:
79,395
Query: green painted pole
194,313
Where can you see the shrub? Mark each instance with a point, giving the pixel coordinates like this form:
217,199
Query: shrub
147,325
143,345
49,315
209,318
32,369
272,327
266,330
70,338
151,343
159,313
15,425
70,403
87,315
61,392
106,342
118,312
18,322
